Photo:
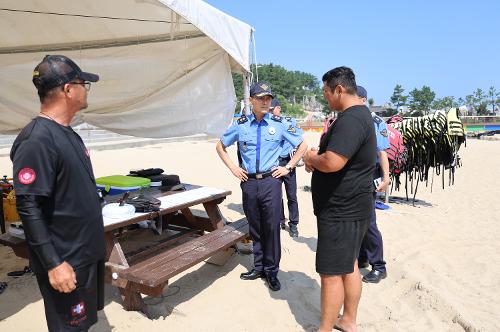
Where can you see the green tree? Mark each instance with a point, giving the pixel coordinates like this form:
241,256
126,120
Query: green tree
470,102
480,102
460,102
397,98
438,104
238,89
449,102
421,100
444,103
291,85
493,97
320,98
371,102
295,111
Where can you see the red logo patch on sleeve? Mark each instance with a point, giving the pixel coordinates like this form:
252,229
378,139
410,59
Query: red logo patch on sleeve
27,175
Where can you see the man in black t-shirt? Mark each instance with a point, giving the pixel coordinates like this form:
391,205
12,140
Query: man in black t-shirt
342,193
57,199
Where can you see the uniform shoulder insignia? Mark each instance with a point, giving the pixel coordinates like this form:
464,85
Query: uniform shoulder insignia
292,129
242,119
377,119
384,132
277,118
288,118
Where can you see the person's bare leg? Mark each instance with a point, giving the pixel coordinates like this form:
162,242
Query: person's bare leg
332,297
352,295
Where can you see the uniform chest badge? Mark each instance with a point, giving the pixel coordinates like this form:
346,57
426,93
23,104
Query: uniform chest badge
272,130
27,175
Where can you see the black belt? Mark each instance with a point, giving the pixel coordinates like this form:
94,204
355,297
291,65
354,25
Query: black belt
259,176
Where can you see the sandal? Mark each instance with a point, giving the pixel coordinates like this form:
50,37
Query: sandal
16,274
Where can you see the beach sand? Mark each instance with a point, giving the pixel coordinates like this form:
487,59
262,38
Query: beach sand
441,255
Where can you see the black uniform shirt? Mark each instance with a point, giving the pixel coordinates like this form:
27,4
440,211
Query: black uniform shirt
347,194
51,160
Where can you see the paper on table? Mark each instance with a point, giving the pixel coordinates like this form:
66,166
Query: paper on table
188,196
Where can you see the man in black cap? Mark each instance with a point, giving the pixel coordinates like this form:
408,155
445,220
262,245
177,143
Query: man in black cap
372,247
57,199
290,180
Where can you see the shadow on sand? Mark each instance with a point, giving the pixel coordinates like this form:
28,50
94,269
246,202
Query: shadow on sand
191,284
302,294
409,201
236,207
311,242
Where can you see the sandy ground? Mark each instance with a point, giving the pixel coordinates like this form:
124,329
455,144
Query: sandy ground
442,258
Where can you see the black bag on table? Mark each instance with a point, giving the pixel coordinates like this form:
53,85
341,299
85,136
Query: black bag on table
144,203
146,173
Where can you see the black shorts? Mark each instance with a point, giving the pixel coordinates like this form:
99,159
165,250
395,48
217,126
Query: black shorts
75,311
338,245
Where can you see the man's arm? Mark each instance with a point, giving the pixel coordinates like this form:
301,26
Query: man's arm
384,165
61,275
301,149
327,162
281,170
237,171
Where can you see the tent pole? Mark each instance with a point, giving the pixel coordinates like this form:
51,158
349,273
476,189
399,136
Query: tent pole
246,93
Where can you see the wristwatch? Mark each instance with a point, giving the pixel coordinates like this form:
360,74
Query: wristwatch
288,167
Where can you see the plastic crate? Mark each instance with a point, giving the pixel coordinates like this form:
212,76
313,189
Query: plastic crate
119,184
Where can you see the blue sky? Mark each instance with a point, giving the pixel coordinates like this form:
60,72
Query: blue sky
451,46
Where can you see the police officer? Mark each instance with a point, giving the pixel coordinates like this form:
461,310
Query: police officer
290,180
57,199
372,248
259,136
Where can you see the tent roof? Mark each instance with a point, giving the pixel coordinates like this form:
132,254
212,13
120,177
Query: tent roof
59,25
165,65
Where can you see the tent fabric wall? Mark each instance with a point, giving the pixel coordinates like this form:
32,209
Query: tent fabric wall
165,66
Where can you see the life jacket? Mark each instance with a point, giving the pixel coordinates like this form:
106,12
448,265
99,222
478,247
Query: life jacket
455,126
433,142
396,153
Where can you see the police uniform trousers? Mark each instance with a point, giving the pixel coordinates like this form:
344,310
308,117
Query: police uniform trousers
75,311
290,181
372,247
262,206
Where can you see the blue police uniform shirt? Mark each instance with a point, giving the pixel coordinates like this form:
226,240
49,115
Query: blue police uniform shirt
286,146
260,143
381,133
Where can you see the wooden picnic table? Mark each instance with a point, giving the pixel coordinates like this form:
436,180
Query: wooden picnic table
188,239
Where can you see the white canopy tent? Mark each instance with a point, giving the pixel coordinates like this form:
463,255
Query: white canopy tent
164,65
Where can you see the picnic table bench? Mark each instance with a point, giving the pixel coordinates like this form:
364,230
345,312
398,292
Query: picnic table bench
187,240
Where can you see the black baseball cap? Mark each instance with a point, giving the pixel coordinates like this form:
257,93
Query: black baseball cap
275,103
261,89
57,70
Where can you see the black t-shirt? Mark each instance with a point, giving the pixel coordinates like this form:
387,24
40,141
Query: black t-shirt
347,194
51,160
